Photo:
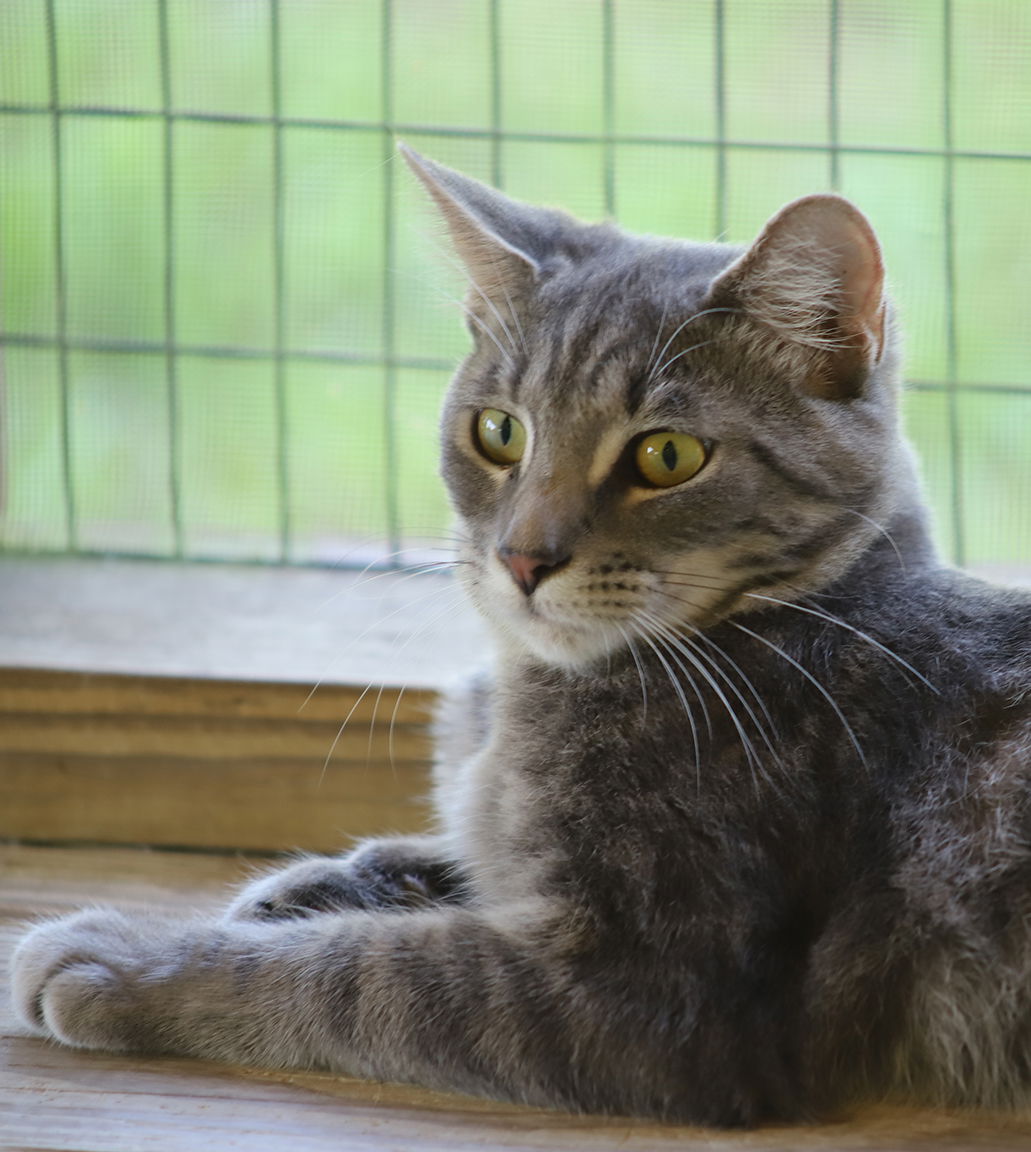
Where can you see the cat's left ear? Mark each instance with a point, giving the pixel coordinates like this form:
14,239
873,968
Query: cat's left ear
816,279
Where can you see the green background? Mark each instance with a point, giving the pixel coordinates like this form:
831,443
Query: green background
227,317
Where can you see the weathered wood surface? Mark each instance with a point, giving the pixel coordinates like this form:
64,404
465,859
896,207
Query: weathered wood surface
198,763
235,622
65,1101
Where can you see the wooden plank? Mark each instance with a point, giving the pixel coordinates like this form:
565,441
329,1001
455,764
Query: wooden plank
211,764
207,738
60,1099
255,803
36,690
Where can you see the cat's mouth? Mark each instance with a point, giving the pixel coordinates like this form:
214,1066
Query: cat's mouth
577,616
593,608
556,622
570,642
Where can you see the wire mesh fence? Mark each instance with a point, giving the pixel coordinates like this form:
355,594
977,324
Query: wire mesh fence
221,335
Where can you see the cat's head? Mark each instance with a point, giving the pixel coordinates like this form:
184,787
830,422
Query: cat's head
652,434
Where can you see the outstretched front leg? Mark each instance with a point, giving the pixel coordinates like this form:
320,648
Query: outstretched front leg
523,1003
404,872
445,997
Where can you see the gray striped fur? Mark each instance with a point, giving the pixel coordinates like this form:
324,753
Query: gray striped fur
738,825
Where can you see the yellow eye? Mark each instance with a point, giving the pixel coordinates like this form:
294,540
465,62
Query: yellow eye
500,437
667,458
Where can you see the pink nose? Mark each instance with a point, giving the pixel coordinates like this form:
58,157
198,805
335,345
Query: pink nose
529,571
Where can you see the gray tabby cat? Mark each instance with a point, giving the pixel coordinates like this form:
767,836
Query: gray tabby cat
740,829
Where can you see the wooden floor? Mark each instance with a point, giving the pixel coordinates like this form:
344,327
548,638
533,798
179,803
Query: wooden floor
53,1098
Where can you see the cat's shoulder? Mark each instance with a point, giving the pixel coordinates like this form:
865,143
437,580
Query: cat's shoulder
968,601
965,634
983,631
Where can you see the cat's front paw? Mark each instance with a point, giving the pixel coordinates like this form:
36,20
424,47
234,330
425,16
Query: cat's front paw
378,875
74,979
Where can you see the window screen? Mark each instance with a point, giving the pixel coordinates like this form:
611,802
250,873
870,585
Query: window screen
227,318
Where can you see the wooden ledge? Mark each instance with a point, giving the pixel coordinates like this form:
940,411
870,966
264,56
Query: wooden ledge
235,622
207,764
221,708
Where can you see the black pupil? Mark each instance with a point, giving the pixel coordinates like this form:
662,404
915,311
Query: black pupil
669,455
506,431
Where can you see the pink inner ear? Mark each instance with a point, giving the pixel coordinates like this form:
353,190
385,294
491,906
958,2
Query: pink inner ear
815,277
862,280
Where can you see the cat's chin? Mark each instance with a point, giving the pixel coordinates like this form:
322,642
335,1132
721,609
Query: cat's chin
521,632
576,648
562,645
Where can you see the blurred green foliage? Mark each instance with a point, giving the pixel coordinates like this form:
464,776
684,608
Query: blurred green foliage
226,241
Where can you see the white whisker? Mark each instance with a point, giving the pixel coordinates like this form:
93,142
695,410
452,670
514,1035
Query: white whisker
514,313
439,590
748,684
640,670
648,372
812,680
372,725
400,575
831,619
883,531
448,258
340,731
390,731
690,320
688,652
679,689
693,348
483,326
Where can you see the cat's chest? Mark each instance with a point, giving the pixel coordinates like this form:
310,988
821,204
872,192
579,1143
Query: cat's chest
628,736
592,776
781,759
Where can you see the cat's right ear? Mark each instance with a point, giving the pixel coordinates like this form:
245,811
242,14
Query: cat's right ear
499,240
815,279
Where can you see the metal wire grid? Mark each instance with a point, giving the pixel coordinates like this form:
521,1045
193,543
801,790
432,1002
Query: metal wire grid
172,349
